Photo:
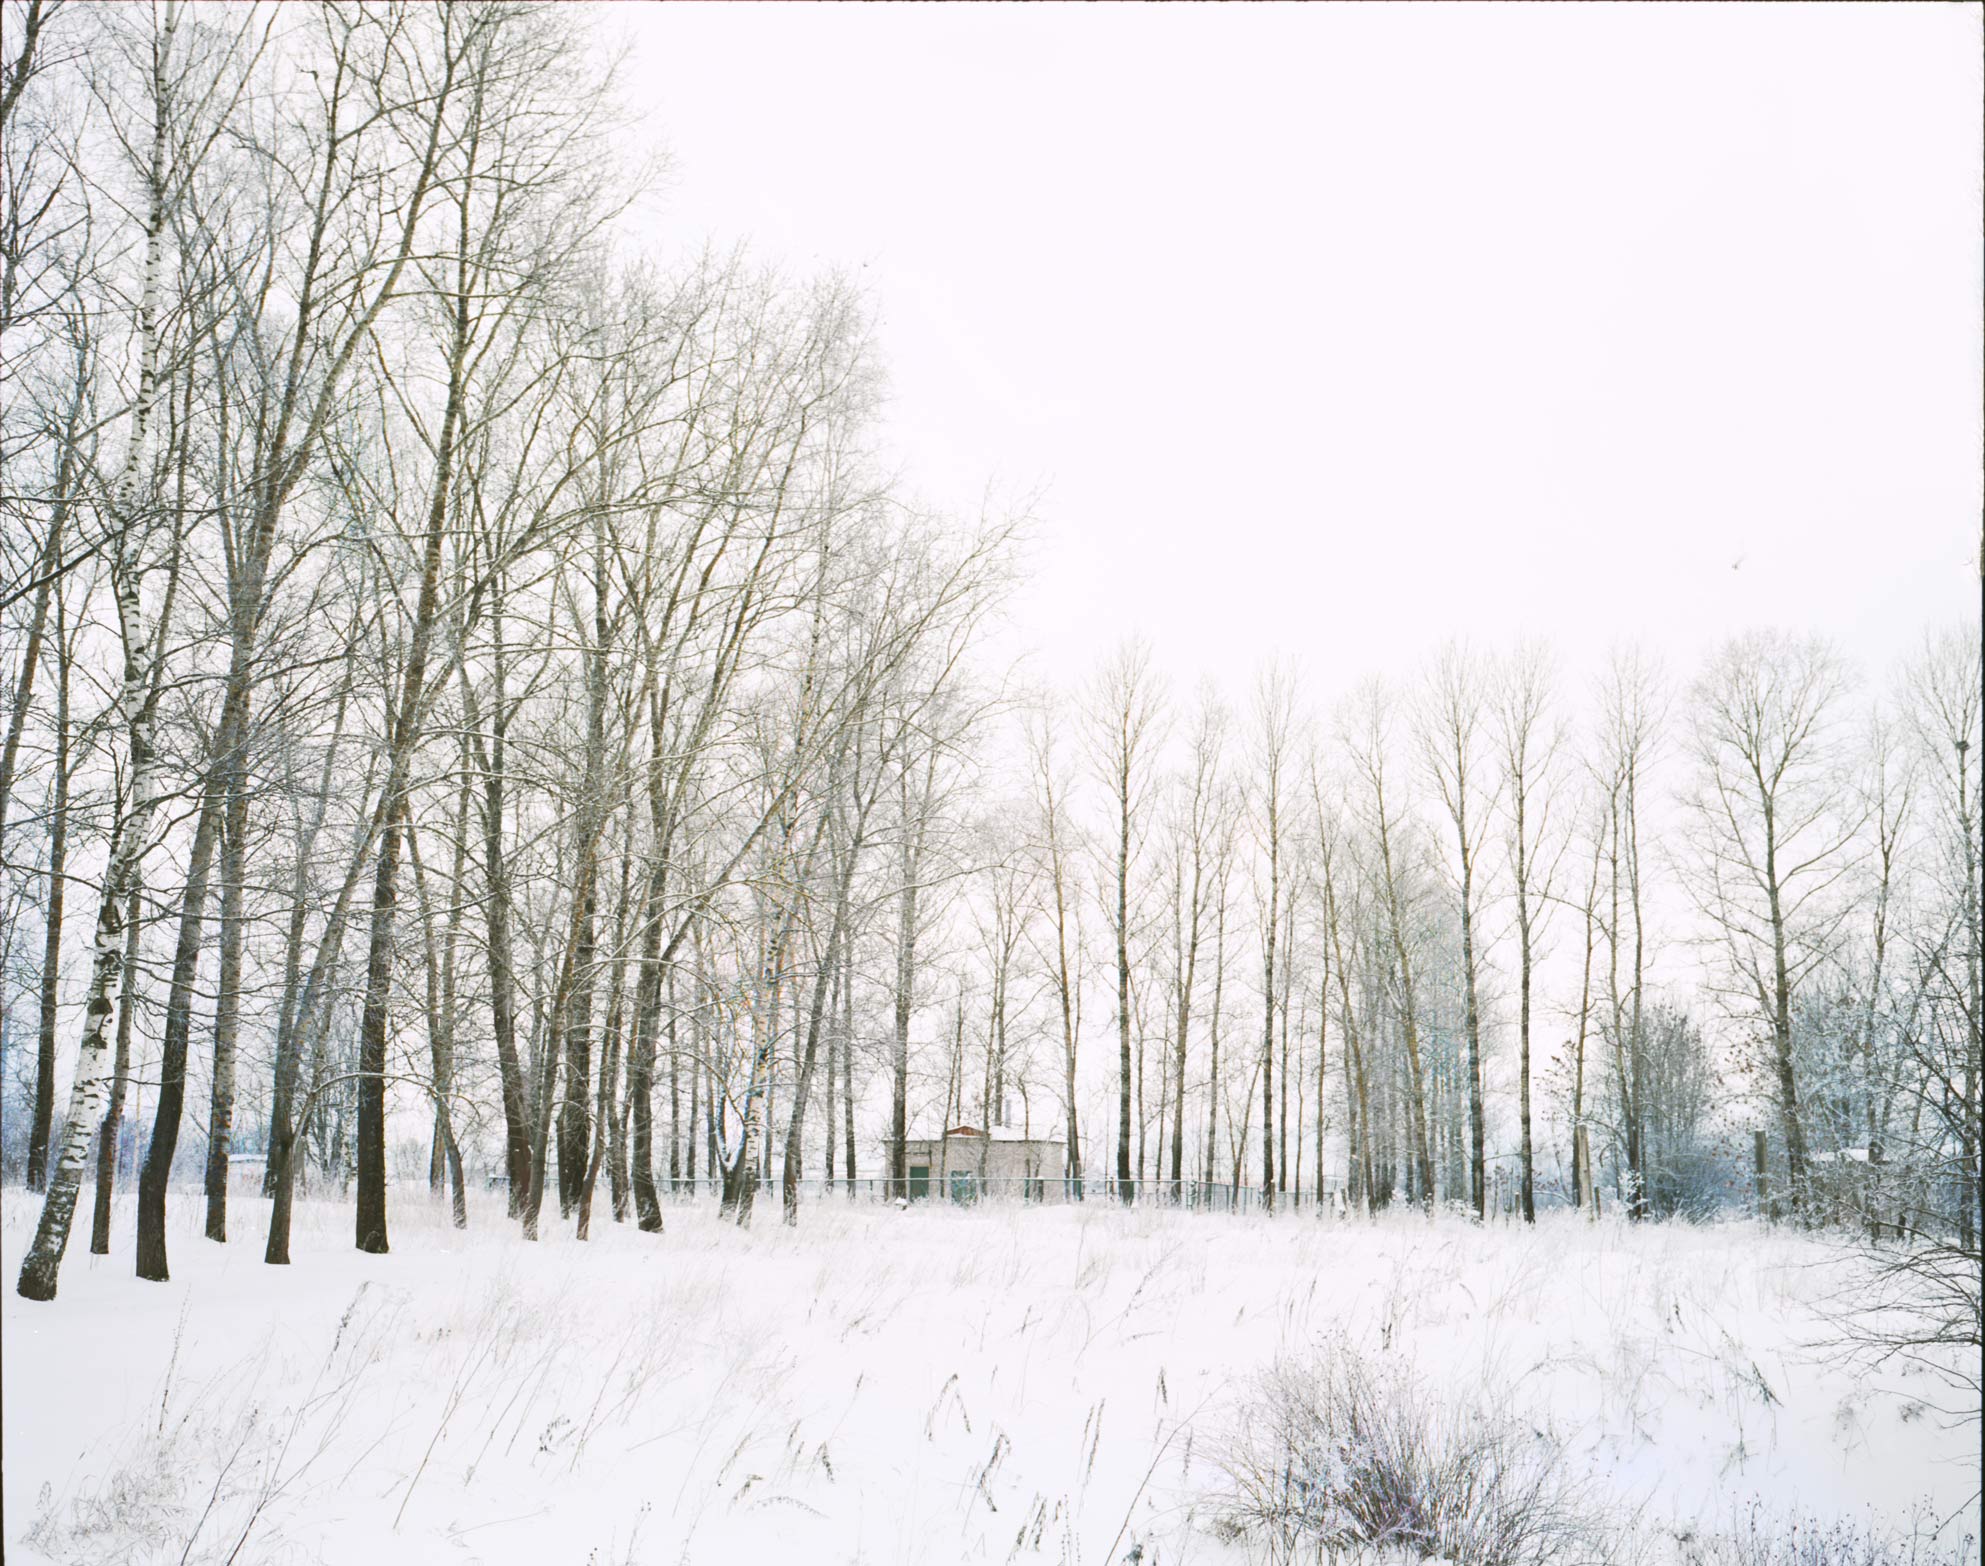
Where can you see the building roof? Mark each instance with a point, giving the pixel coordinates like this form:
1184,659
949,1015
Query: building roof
997,1134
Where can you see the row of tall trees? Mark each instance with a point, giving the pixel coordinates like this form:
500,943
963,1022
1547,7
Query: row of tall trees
1456,922
459,653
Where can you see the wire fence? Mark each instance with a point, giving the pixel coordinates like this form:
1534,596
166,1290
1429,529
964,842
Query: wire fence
965,1188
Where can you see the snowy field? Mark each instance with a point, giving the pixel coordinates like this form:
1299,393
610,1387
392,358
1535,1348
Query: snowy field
936,1385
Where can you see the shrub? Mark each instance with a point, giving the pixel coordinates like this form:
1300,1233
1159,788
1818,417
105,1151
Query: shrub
1333,1451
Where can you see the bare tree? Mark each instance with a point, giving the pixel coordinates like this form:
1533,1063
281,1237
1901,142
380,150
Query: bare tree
1945,690
1060,850
1272,736
1125,727
1529,742
1368,740
1772,838
1632,705
1451,741
1336,873
1197,812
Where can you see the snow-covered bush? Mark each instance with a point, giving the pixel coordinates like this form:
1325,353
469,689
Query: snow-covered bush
1335,1449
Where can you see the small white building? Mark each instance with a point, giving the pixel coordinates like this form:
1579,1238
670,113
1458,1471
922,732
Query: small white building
966,1162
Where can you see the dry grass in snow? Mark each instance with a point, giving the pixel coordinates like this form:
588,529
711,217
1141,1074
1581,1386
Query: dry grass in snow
936,1385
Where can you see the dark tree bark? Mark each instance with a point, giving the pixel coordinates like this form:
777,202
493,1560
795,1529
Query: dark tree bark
803,1089
152,1179
847,1064
120,1081
573,1120
490,762
51,952
227,1016
288,1030
641,1064
46,566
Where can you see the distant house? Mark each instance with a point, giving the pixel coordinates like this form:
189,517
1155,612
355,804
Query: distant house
966,1162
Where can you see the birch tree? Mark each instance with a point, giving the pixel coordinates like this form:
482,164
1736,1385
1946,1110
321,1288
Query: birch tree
135,533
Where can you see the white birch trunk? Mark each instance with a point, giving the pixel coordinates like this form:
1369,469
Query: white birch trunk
91,1087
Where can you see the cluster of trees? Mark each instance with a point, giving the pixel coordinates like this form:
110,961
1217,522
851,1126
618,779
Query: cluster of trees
472,652
489,700
1450,924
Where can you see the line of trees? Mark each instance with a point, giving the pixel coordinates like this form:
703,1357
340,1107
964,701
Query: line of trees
1502,908
503,723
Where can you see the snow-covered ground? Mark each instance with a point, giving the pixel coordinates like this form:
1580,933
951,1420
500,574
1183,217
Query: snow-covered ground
934,1385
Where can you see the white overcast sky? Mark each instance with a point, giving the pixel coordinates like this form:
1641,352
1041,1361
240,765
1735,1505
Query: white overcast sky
1337,330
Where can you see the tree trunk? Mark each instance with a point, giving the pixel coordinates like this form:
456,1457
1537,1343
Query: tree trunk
1416,1083
370,1228
288,1031
289,1127
1637,1126
227,1013
1073,1152
41,1266
1270,927
403,729
113,1115
1478,1160
834,1048
641,1062
1790,1119
604,1117
803,1088
1322,1061
490,761
572,1124
899,1076
51,953
1122,934
51,554
152,1179
445,1158
1213,1064
1282,1004
1581,1175
1525,964
848,1064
